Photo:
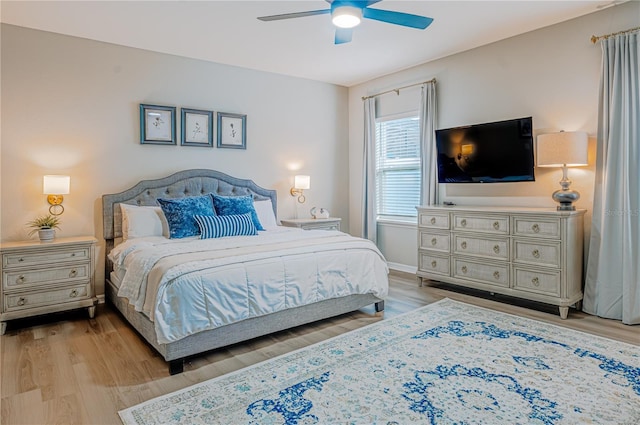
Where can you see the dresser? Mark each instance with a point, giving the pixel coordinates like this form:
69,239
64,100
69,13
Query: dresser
530,253
331,223
41,278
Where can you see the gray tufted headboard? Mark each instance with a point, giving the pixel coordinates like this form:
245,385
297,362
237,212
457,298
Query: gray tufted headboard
178,185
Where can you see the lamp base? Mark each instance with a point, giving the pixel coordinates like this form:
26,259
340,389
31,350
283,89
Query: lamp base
566,198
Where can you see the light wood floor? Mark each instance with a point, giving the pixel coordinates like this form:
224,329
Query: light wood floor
68,369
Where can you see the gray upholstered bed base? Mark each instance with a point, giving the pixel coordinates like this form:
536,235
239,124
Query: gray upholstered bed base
192,183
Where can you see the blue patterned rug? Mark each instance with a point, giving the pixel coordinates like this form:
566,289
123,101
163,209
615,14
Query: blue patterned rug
445,363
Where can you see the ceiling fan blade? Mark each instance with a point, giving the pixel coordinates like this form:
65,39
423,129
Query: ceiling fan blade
295,15
343,35
398,18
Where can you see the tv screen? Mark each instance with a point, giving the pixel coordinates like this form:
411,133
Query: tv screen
495,152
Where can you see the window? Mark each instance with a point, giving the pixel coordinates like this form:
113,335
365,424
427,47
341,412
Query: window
398,166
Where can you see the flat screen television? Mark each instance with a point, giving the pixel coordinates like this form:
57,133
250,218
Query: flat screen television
495,152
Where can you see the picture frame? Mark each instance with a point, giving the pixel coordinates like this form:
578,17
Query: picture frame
196,127
157,124
232,131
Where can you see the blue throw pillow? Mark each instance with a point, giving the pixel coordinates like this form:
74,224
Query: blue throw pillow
180,211
234,205
225,225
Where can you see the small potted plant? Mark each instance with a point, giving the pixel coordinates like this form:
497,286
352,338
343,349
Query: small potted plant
45,226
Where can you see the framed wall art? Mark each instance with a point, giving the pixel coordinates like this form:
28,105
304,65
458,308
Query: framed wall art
232,131
157,125
197,127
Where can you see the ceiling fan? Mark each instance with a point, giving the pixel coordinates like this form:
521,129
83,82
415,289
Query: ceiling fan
347,14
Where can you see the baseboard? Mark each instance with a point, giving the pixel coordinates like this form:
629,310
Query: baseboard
402,268
100,298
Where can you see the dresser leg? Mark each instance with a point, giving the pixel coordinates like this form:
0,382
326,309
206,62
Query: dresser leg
419,281
564,312
92,311
3,327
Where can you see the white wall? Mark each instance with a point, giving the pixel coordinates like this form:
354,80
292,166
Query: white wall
70,106
551,74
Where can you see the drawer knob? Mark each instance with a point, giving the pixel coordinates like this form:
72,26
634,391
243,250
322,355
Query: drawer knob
434,241
20,279
535,228
434,264
463,245
496,274
463,223
433,220
20,260
22,301
496,249
73,273
496,225
535,253
535,281
73,254
73,293
464,269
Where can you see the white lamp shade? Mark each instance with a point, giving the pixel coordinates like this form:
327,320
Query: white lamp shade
302,182
56,185
563,148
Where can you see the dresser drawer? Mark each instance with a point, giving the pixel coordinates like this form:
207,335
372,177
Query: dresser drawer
435,220
535,252
493,274
435,241
466,244
14,279
433,264
537,228
475,223
28,300
34,258
540,282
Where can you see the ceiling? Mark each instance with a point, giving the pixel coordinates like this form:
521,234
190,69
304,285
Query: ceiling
228,32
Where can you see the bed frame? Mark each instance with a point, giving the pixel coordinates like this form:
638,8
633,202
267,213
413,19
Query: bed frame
195,183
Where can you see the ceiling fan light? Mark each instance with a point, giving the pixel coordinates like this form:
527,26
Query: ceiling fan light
346,16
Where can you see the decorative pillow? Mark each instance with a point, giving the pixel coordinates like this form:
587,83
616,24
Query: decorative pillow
225,225
264,210
138,222
234,205
179,213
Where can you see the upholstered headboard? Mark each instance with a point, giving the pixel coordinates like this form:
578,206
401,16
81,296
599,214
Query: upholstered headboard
179,185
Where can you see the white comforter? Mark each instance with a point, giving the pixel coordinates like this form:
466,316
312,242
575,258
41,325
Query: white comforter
189,285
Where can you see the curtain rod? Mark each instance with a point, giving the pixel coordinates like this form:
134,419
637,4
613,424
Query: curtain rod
397,91
595,39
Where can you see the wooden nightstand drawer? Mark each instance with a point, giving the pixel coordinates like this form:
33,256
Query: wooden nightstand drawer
534,252
540,282
331,223
22,278
27,259
485,224
27,300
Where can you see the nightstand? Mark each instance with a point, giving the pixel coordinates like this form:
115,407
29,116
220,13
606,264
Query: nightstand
46,277
331,223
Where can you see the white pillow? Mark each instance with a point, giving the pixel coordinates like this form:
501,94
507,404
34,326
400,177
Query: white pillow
138,222
264,210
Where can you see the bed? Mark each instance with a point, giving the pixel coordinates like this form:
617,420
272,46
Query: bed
171,319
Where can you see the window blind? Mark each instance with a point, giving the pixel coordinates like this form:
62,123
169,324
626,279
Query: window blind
398,166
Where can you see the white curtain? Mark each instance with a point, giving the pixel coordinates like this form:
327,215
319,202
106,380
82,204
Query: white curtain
428,153
612,287
369,226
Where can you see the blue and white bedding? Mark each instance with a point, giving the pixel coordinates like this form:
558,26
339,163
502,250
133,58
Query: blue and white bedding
190,285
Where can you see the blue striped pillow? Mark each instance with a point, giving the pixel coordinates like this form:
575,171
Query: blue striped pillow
225,225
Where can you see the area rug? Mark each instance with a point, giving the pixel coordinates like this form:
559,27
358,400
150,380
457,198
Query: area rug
445,363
